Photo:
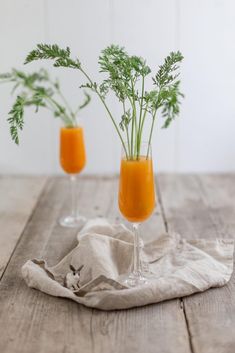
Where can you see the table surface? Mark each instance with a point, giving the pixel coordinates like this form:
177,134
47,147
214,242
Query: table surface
31,322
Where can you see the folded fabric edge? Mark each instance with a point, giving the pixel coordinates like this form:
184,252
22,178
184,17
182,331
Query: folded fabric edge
36,277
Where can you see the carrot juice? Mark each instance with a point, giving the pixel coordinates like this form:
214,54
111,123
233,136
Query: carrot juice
72,149
136,189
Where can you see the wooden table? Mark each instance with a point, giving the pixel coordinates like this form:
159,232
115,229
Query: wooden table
33,322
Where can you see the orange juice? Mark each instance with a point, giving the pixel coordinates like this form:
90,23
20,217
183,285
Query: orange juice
136,189
72,149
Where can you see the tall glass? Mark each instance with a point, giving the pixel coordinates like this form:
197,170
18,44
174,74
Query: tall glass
72,160
137,202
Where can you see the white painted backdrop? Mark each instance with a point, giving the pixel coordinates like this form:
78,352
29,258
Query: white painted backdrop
203,138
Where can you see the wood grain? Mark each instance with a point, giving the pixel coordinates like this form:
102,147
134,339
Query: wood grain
204,206
31,321
18,197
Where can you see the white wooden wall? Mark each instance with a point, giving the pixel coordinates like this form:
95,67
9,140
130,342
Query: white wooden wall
204,30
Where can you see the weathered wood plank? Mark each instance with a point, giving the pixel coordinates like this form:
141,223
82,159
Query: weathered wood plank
18,197
31,321
154,328
205,207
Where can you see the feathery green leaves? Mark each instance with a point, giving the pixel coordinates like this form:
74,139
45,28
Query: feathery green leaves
15,119
37,89
168,87
86,101
60,56
125,77
168,71
123,72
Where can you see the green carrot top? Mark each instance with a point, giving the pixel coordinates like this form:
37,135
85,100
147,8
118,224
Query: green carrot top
39,90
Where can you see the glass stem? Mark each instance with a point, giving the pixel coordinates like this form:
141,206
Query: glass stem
73,193
137,264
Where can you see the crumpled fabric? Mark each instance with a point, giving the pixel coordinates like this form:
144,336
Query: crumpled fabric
90,274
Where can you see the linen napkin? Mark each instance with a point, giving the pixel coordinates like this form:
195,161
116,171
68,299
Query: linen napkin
90,273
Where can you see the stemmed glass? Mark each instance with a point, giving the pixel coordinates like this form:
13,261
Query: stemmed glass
136,202
72,160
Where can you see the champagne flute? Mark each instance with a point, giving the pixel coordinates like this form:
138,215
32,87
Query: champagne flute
136,202
72,160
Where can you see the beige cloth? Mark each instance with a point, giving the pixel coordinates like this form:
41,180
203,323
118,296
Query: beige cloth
89,274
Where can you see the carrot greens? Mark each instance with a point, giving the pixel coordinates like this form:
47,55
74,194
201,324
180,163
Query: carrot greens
125,76
37,89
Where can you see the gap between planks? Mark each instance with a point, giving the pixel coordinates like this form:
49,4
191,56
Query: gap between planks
180,299
203,206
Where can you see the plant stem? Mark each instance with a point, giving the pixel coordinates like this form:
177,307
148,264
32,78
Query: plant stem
132,129
132,136
76,111
126,128
66,118
107,109
51,107
143,120
128,140
134,123
151,133
140,118
66,103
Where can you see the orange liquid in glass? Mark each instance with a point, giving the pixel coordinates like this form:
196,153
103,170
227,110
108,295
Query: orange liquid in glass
72,149
136,189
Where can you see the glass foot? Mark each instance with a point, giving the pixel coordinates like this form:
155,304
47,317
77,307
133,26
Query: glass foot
72,222
133,279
